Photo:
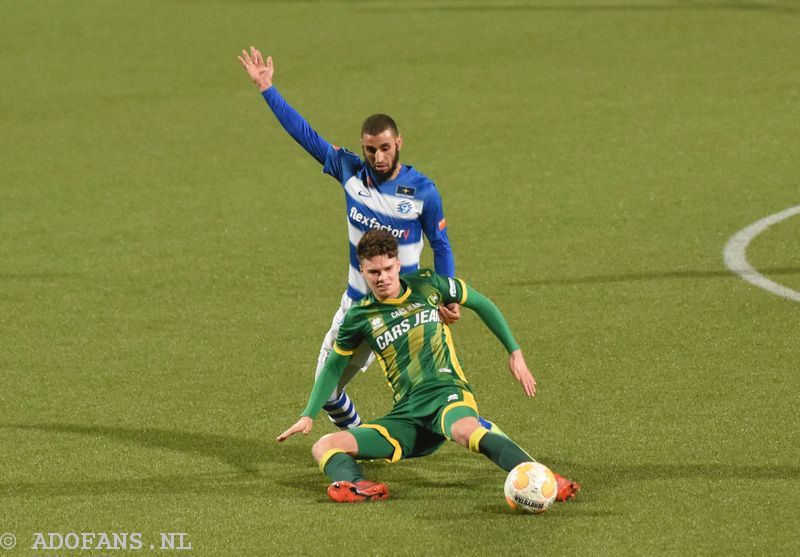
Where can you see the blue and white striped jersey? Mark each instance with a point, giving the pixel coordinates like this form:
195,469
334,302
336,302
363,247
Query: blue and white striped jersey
408,206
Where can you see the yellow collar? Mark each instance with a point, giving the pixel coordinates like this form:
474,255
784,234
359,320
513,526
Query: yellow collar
403,297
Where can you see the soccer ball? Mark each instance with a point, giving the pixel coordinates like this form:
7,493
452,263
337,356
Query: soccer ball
531,487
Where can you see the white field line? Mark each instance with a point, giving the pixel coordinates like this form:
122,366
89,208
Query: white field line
736,248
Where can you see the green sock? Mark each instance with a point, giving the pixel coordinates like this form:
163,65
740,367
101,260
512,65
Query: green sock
341,467
502,451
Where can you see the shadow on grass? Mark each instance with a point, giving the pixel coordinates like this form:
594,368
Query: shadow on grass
664,275
679,5
598,481
247,456
621,474
291,466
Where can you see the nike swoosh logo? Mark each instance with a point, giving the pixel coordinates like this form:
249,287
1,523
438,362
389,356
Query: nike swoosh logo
363,193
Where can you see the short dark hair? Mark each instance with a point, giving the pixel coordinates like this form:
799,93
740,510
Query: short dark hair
376,242
379,123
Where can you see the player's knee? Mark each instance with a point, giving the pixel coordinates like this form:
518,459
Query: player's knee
323,445
463,429
341,440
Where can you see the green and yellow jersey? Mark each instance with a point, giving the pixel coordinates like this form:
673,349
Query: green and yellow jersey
413,346
411,343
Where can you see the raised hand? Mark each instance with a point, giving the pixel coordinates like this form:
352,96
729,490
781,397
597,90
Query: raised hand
259,72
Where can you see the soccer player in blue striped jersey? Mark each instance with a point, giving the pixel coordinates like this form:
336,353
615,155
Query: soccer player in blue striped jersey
382,194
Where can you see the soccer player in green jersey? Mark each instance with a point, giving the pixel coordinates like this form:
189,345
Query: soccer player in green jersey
433,401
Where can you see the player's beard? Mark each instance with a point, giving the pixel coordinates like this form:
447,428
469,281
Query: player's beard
382,176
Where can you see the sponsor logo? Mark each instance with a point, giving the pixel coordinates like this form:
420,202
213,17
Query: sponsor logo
400,312
405,207
452,397
445,370
405,191
397,331
372,222
453,290
434,299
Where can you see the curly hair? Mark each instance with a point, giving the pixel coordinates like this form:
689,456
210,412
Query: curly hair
376,242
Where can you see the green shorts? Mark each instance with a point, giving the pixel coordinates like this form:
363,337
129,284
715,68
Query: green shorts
417,425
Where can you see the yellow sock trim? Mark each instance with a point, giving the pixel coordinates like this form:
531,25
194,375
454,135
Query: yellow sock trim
475,439
326,457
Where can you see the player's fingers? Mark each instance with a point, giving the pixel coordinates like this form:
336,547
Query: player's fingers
286,434
269,62
527,381
245,56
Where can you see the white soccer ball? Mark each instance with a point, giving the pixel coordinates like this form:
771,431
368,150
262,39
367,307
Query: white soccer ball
531,487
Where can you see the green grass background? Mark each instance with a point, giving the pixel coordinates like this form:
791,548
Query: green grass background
170,260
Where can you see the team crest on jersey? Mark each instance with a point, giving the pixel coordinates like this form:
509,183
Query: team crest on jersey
434,299
376,323
405,191
405,207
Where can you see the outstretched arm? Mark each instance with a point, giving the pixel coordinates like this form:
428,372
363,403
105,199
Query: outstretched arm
261,73
495,321
324,385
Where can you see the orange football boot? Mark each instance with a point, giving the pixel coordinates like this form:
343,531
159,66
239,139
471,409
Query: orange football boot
360,491
566,488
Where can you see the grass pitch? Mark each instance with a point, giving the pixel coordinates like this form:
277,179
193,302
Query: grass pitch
170,260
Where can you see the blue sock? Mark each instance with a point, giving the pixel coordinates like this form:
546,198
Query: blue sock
491,427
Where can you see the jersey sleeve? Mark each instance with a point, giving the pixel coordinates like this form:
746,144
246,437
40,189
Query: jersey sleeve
486,310
326,382
452,289
341,163
296,125
435,228
351,334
